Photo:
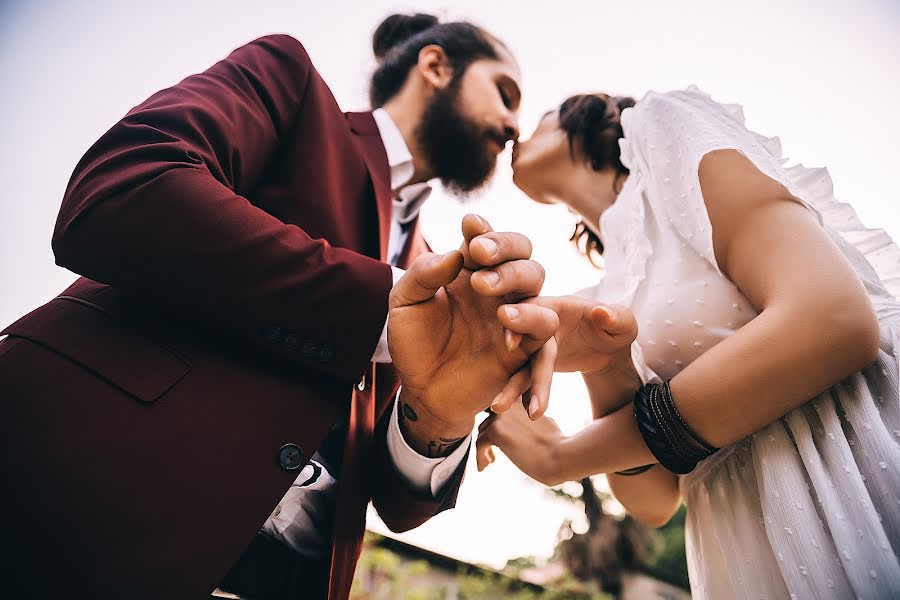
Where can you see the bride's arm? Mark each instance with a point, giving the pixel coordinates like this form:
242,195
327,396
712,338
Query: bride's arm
534,447
816,323
651,497
815,327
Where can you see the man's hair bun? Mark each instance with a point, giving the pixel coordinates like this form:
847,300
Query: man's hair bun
398,28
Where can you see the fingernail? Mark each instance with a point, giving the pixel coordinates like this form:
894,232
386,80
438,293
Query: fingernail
489,245
533,406
492,278
510,338
608,311
512,313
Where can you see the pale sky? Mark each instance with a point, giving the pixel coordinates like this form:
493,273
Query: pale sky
822,75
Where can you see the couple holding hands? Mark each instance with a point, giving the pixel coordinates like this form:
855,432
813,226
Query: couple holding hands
261,342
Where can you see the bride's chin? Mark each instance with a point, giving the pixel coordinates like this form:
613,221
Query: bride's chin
535,195
518,179
521,178
528,186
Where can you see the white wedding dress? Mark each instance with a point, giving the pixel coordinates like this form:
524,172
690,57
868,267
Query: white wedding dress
808,507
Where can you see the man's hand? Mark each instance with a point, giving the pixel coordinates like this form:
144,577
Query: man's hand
593,338
446,341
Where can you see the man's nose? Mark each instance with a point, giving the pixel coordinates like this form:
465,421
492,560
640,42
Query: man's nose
511,127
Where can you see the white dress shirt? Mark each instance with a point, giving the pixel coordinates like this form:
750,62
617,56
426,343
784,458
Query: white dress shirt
304,517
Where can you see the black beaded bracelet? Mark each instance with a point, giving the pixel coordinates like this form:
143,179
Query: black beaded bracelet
664,408
694,438
635,470
672,442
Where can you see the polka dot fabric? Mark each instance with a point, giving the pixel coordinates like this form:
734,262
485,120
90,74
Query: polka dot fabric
809,507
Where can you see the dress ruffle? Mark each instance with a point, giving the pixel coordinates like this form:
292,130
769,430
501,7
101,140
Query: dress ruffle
807,506
816,188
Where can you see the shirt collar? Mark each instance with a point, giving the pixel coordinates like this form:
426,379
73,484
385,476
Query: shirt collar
408,199
399,158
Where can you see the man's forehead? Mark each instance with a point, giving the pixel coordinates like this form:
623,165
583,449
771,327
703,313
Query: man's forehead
507,63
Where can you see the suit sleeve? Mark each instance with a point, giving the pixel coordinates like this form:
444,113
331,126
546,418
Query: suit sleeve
153,208
399,506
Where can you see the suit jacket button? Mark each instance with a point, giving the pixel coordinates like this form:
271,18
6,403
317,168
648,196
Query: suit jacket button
290,457
308,349
291,342
272,334
326,352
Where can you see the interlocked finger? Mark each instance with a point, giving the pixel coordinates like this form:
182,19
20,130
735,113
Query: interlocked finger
536,324
472,227
513,390
516,279
542,364
484,446
494,248
425,277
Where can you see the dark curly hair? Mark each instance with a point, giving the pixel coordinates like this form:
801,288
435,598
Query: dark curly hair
592,123
398,39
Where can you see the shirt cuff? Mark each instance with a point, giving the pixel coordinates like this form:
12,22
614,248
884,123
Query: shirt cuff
382,355
424,475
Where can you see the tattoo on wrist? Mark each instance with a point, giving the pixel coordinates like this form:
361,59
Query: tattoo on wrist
443,446
407,412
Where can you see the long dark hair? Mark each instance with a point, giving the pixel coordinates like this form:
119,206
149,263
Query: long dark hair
592,124
398,40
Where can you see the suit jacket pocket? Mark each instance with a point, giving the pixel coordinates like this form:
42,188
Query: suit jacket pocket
87,335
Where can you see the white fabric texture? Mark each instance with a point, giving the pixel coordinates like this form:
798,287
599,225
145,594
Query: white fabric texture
421,473
808,507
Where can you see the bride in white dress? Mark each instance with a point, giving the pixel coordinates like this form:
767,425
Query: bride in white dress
771,311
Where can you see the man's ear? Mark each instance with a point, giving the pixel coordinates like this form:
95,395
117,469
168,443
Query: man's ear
434,66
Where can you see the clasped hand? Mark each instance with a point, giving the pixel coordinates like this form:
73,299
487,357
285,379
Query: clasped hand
447,342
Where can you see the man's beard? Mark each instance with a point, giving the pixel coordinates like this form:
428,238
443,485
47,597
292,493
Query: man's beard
455,148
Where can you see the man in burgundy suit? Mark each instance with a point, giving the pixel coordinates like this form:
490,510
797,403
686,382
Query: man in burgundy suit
227,345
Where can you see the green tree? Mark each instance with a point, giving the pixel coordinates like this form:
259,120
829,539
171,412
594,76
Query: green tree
666,558
615,544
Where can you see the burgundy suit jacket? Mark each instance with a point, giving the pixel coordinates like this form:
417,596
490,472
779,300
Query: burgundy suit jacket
231,231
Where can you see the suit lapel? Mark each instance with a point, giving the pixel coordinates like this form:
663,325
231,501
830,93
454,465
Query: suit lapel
355,478
369,141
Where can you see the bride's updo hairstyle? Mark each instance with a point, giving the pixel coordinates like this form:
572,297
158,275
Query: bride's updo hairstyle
398,40
592,124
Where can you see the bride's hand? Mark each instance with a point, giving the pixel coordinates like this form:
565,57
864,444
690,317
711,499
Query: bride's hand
530,445
593,337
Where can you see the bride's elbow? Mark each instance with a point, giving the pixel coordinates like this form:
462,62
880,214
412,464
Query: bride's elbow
654,518
871,335
858,335
550,479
